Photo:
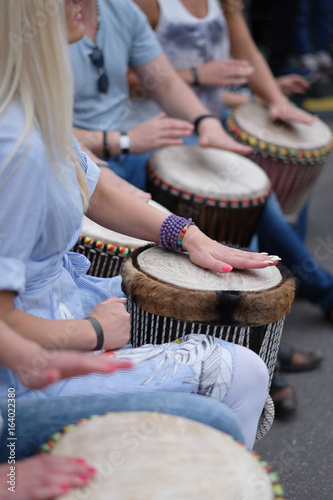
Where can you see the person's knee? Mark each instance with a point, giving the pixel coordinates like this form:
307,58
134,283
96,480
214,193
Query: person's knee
254,371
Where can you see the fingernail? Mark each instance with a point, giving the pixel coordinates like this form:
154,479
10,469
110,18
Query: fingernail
65,487
80,461
92,470
275,257
84,478
268,262
226,268
263,253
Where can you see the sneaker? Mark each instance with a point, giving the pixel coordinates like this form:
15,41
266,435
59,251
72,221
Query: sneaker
324,59
310,62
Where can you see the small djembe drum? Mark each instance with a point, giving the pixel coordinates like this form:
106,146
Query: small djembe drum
224,193
146,455
292,154
106,249
169,297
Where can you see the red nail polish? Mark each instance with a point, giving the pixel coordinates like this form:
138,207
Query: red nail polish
226,268
65,487
84,478
92,470
80,461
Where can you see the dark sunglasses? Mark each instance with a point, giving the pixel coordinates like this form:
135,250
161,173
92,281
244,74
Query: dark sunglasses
97,59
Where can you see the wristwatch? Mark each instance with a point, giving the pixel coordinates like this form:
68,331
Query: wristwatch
124,143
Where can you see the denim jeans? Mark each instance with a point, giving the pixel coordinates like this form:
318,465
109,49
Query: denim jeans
37,420
276,236
314,17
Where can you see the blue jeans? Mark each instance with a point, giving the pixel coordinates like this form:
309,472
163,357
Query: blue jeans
314,16
276,236
37,420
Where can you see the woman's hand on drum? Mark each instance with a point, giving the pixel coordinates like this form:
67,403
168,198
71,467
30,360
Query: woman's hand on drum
45,476
287,112
212,134
224,72
215,256
158,132
115,321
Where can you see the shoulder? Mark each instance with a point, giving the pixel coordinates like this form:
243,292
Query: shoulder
151,9
230,6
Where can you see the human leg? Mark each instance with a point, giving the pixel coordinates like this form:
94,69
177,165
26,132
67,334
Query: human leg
323,29
247,394
277,236
37,420
200,364
303,42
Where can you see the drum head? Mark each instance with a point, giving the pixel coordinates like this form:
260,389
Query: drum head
254,119
177,269
145,455
210,173
167,283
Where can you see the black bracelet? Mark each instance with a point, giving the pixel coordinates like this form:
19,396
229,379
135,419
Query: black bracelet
195,77
200,118
99,332
106,149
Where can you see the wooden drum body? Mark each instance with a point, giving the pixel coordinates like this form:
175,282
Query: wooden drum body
106,249
223,192
147,455
292,155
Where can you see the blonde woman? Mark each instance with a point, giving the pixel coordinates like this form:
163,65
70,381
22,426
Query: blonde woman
45,186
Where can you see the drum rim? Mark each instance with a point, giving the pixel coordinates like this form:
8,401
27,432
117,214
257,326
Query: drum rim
277,488
298,155
213,307
101,246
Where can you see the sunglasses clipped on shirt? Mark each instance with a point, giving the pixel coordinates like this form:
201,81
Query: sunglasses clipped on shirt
97,58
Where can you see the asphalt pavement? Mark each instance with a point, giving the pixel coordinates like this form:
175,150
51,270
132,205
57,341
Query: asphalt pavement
300,449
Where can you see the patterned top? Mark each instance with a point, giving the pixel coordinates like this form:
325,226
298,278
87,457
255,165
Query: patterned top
188,42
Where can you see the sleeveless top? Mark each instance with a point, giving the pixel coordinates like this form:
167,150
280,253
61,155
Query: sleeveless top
187,41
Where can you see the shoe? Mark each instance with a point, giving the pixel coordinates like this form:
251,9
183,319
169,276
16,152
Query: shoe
309,61
324,59
301,361
285,402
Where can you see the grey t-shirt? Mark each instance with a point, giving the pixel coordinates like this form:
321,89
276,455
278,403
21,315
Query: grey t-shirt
126,39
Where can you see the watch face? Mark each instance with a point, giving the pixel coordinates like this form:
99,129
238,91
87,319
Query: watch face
124,143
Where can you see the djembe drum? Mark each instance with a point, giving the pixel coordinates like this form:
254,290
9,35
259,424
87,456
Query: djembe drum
224,193
169,297
146,455
292,154
106,249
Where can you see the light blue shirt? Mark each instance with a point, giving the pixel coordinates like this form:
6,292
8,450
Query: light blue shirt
40,221
126,39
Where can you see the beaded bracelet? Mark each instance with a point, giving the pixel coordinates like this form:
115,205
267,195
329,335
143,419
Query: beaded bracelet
173,231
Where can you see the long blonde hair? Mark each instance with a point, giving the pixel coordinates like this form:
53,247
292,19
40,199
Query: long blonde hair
35,66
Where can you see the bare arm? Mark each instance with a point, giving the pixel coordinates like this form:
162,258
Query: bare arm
261,82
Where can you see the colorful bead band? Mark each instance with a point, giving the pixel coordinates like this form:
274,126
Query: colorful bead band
301,155
172,232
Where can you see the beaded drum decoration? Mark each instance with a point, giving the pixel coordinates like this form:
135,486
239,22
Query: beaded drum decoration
147,455
169,297
224,193
292,155
106,249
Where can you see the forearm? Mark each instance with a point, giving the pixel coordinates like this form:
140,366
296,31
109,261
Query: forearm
170,91
93,140
262,81
59,334
125,213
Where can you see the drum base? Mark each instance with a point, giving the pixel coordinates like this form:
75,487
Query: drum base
265,341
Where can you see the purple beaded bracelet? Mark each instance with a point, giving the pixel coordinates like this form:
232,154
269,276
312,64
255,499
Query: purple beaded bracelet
170,231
